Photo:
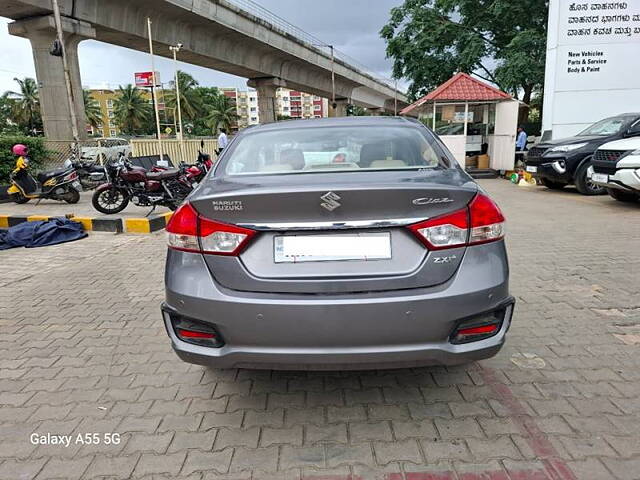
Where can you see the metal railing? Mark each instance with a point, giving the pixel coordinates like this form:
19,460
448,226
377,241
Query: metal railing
102,150
281,24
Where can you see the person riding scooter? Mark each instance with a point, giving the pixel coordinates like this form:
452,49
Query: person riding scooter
60,184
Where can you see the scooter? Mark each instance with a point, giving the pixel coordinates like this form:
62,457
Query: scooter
61,184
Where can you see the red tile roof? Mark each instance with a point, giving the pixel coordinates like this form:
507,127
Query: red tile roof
460,87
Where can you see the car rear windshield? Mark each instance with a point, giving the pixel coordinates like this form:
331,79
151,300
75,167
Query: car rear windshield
323,149
608,126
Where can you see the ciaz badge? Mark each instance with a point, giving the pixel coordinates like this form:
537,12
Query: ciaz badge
431,200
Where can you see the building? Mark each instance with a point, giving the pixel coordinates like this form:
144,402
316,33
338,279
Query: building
294,104
592,65
468,114
246,105
108,127
289,104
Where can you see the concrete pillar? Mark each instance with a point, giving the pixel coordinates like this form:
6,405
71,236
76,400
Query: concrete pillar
266,90
52,89
340,109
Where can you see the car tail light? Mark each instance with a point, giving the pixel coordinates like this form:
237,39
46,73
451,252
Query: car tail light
446,231
478,328
487,221
480,222
191,232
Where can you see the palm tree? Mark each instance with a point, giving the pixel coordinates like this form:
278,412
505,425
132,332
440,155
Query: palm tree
92,109
132,111
222,113
190,101
25,105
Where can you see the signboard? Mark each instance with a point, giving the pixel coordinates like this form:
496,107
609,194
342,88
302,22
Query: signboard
458,117
593,66
145,79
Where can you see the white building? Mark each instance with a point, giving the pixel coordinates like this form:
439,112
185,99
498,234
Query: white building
593,64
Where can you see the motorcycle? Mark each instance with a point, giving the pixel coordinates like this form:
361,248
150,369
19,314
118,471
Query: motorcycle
60,184
126,182
195,173
90,174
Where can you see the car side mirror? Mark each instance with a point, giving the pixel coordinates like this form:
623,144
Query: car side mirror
633,131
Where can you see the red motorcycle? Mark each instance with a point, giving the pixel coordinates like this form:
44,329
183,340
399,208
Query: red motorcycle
126,182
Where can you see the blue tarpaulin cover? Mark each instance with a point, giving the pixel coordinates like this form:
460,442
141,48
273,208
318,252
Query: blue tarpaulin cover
41,233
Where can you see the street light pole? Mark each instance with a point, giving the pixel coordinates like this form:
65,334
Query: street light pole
153,87
175,49
67,75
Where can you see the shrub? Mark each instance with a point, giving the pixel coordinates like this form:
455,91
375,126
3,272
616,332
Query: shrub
37,153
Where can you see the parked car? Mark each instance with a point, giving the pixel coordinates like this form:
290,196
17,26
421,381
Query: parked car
105,149
560,162
337,243
616,167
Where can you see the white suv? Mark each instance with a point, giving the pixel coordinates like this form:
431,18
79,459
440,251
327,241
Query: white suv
616,166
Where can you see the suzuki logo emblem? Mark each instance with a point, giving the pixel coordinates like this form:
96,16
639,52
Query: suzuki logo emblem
330,201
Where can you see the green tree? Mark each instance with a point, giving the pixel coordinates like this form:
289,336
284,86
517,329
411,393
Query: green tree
356,111
500,41
222,113
132,111
92,109
7,124
25,106
190,96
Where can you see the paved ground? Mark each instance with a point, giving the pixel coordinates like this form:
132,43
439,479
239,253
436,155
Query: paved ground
81,209
83,351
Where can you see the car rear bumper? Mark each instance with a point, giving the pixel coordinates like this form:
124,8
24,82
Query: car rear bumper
627,179
334,332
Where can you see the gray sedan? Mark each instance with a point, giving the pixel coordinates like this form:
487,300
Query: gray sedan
346,243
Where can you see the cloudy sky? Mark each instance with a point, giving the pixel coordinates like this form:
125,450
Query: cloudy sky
351,26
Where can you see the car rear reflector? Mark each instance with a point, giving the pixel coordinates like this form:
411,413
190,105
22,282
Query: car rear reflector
480,222
196,332
189,231
479,327
193,334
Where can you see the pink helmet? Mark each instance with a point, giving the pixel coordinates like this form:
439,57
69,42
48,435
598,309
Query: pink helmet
20,150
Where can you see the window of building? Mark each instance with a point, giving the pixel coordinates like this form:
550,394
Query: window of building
112,133
285,108
317,107
318,116
111,114
254,119
253,109
285,99
109,103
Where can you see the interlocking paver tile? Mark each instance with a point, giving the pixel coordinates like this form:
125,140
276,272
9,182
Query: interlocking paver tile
84,350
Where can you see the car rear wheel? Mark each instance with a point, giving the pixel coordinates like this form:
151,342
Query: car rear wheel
552,185
584,184
623,196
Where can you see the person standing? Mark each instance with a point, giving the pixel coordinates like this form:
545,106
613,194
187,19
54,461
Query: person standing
222,140
521,141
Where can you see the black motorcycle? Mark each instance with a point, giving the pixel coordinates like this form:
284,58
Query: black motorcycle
90,174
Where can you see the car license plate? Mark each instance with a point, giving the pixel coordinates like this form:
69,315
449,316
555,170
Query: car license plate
600,177
332,247
531,169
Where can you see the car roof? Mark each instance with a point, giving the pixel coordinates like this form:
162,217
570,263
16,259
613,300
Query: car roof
333,122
